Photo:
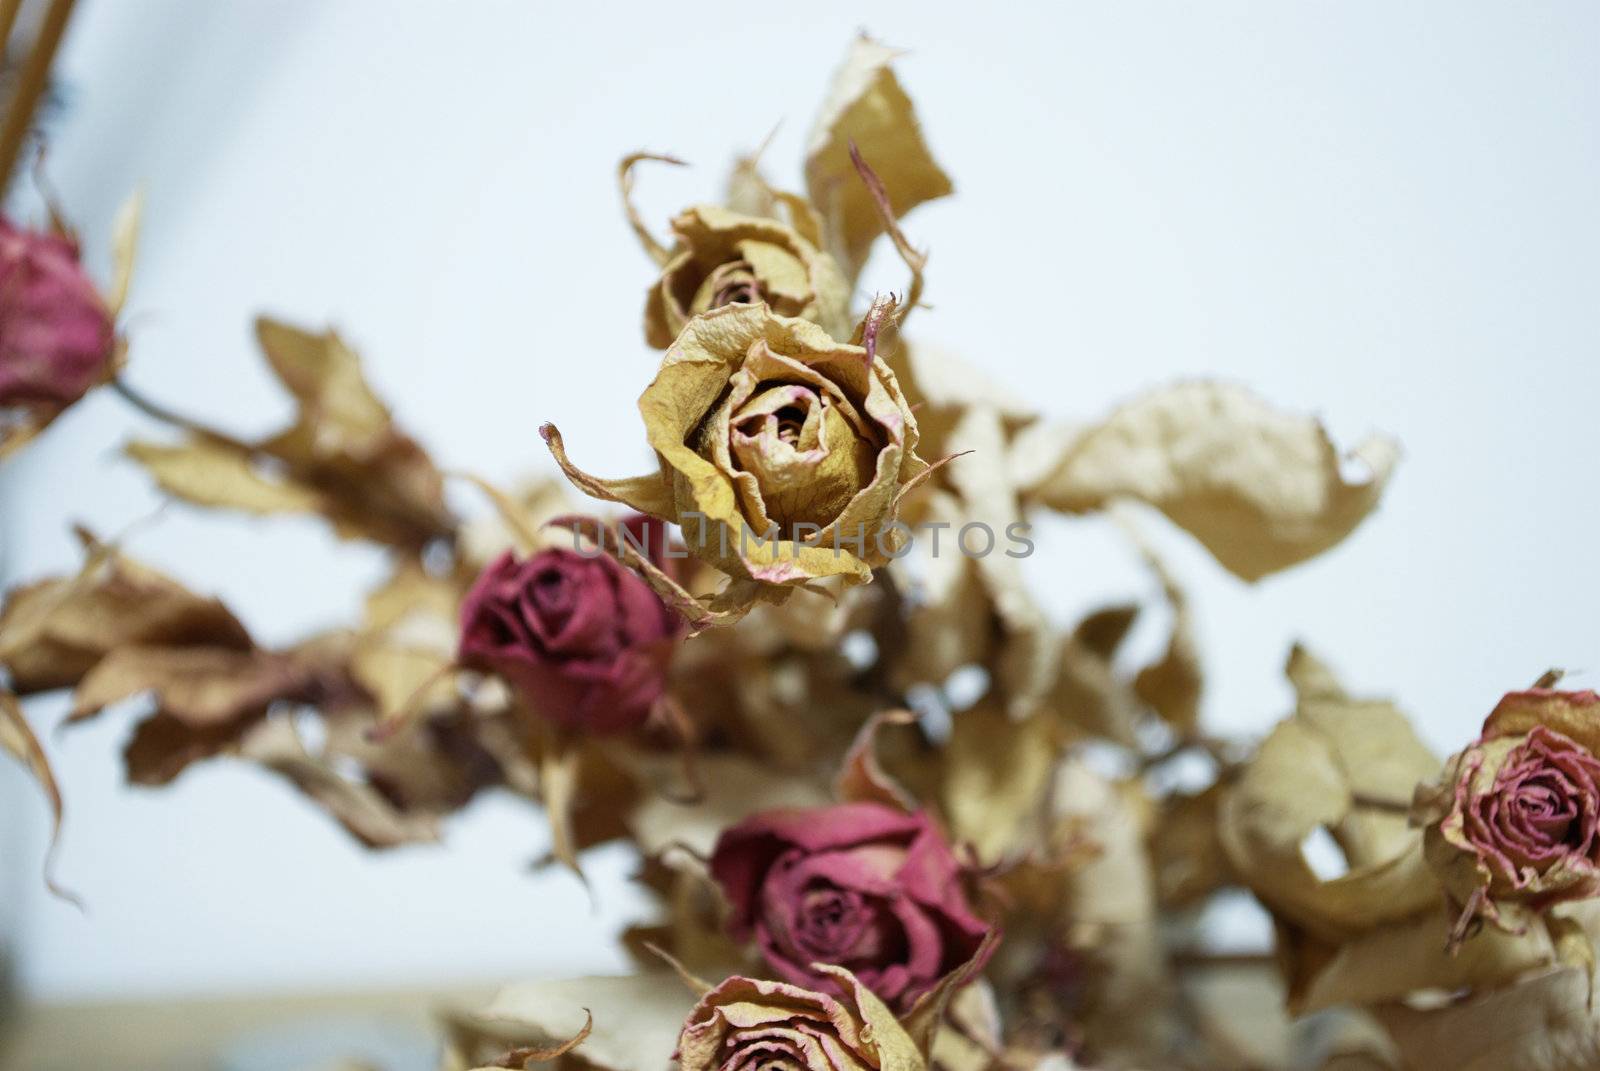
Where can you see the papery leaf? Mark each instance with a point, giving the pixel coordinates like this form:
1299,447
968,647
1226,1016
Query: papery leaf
866,105
996,772
124,247
1542,1023
361,809
862,778
651,245
1261,490
325,377
220,476
636,1020
343,457
18,739
200,686
1171,685
408,639
55,631
1394,961
1345,768
735,789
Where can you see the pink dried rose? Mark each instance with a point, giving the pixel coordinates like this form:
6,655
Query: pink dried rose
582,640
1516,817
56,335
862,886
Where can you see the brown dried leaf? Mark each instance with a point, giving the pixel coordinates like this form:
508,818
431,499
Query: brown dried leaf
1261,490
343,457
1088,694
325,377
18,739
735,789
1540,1024
408,640
636,1020
55,631
124,247
199,686
867,106
1185,850
1171,686
997,772
221,476
361,809
1410,956
1347,766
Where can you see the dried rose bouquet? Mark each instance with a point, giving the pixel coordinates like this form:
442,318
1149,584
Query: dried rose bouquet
745,667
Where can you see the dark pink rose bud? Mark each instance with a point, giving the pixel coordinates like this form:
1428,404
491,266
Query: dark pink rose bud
55,331
583,640
859,885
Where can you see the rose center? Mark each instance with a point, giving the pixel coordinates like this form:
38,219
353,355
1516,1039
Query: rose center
553,597
734,283
830,922
769,1054
1547,809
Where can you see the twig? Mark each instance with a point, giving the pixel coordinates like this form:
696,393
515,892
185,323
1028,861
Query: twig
33,80
157,411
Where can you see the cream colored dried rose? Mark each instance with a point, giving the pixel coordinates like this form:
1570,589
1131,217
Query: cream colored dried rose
783,453
1516,817
747,1023
725,258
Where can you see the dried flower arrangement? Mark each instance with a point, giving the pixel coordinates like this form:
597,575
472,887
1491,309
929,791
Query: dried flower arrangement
722,677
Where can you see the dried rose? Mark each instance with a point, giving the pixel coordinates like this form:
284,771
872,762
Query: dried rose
56,335
724,258
860,885
782,452
746,1024
1516,818
584,641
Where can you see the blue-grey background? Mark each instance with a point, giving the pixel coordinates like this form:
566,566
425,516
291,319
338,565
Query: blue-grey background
1383,213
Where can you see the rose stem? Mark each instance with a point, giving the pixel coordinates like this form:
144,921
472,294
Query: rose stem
160,412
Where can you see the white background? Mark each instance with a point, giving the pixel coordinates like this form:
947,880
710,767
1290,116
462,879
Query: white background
1383,213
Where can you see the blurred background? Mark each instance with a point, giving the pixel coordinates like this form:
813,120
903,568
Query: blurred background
1383,214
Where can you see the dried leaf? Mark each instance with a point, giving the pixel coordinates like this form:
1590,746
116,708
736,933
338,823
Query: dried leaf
996,775
200,686
55,631
220,476
18,739
735,789
636,1020
343,457
1171,686
1541,1024
1392,962
408,640
1260,489
651,245
124,246
867,106
359,807
862,778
